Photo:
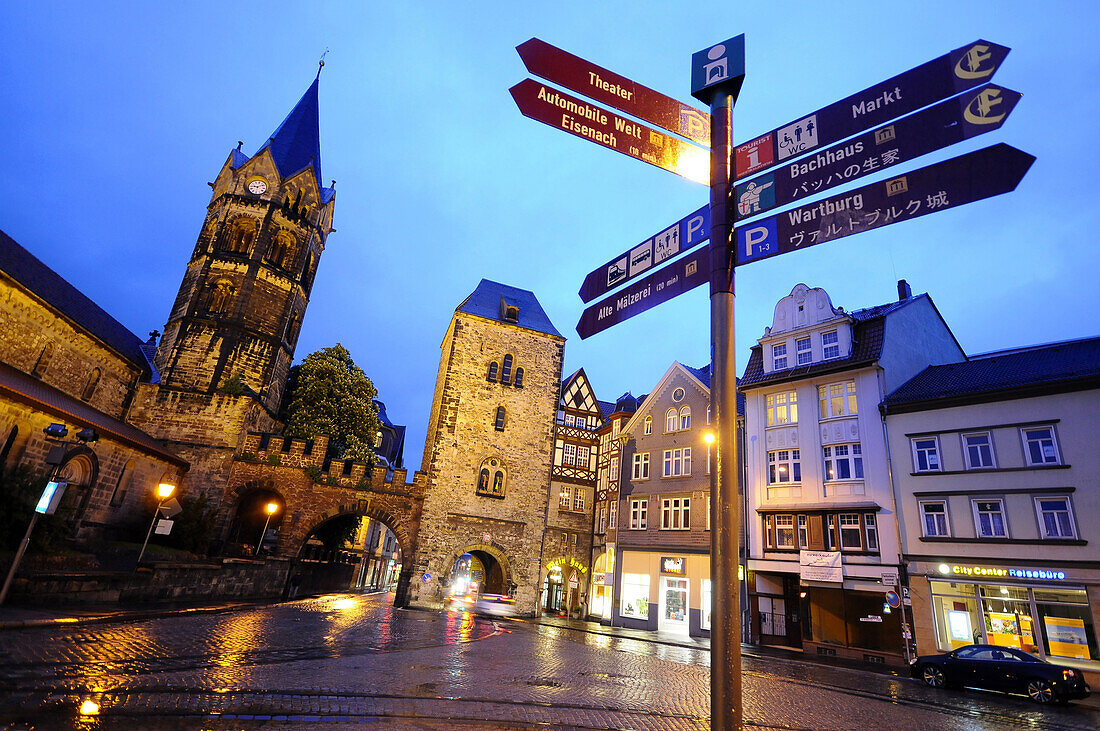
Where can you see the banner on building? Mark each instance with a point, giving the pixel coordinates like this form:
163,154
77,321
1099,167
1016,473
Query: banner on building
820,566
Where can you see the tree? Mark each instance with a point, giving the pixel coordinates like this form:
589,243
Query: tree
328,394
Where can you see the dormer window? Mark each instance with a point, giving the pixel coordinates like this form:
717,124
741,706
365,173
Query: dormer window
779,356
509,313
830,345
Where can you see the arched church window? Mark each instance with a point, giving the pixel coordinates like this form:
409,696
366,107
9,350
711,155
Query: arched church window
492,372
43,361
499,425
310,271
221,296
122,486
483,481
506,369
89,387
491,469
498,484
242,235
519,378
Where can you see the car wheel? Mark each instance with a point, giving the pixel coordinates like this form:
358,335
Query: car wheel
1040,691
932,676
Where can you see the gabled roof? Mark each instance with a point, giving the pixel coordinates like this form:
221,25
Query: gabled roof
488,299
868,328
49,286
296,143
1053,367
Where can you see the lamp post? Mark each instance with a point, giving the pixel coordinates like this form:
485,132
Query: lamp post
270,508
164,491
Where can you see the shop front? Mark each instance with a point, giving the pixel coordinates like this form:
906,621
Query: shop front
1042,610
602,587
664,591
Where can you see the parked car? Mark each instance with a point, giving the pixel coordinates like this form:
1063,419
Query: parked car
1001,668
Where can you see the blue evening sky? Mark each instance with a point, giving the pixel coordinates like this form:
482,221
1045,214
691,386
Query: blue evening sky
115,115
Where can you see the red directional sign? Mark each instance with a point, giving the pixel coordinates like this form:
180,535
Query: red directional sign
588,121
572,72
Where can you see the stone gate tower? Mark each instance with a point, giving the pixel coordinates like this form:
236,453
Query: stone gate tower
489,446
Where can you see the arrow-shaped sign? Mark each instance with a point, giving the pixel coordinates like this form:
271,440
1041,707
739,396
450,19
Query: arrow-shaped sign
596,124
982,174
928,130
918,87
679,237
583,77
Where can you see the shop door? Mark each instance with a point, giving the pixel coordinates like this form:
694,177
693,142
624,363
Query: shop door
674,605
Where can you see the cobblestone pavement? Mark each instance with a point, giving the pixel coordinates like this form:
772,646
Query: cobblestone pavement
349,661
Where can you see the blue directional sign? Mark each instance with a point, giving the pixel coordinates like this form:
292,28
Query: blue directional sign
685,234
950,74
931,129
982,174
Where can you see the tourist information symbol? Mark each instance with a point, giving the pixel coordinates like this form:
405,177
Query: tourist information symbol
607,87
679,237
950,74
964,179
928,130
596,124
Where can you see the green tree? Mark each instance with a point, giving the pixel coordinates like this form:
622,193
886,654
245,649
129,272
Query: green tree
328,394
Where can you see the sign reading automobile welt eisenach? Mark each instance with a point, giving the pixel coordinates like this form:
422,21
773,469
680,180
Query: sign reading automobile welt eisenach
956,119
964,179
940,78
679,237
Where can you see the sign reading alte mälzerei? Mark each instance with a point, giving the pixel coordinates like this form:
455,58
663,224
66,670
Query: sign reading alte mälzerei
820,566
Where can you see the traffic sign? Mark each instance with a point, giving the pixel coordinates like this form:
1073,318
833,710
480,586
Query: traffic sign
964,179
893,599
584,77
679,237
596,124
662,285
954,72
928,130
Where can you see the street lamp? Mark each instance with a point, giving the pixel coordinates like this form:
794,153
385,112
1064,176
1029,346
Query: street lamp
164,491
270,508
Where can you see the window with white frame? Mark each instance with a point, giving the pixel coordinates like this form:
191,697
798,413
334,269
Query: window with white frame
784,531
675,513
830,345
978,449
769,531
569,453
615,428
583,457
784,465
837,399
648,425
934,518
672,420
601,526
639,509
578,498
830,533
782,408
1055,517
850,531
803,350
843,462
1040,447
989,519
803,532
685,417
613,515
779,356
870,529
641,466
926,454
678,462
565,497
708,413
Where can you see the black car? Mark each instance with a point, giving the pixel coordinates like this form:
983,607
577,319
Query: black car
1001,668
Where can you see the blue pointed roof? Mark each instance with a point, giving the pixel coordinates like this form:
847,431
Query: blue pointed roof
488,301
297,142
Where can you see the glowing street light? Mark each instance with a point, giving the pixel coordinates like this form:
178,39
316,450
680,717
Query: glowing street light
164,491
271,508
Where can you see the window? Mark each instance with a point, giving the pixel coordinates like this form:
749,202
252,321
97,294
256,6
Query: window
803,532
830,345
565,497
506,370
573,538
638,514
613,515
615,469
769,531
803,350
519,378
499,425
784,466
708,413
678,395
672,420
675,513
634,599
870,527
582,457
850,531
578,500
569,454
678,462
685,417
122,486
837,399
784,531
926,455
648,425
830,533
601,526
978,449
492,372
1055,518
1039,445
989,519
89,387
843,462
782,408
934,519
43,361
641,466
779,356
491,468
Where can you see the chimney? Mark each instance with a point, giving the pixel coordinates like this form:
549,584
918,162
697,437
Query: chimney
904,290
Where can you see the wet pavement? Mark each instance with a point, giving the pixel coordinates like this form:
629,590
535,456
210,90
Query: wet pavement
349,660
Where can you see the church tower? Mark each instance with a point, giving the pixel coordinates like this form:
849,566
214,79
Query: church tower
235,321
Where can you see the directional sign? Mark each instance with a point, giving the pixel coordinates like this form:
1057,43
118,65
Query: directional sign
934,128
964,179
679,237
940,78
578,117
572,72
660,286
